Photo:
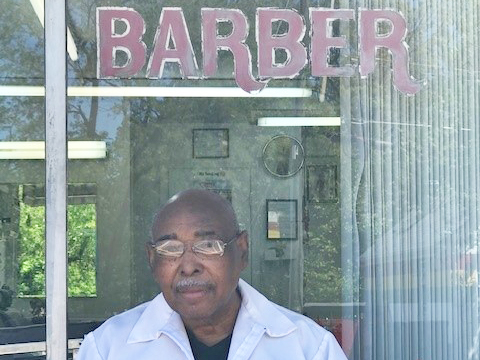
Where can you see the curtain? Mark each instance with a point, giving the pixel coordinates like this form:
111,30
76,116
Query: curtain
410,185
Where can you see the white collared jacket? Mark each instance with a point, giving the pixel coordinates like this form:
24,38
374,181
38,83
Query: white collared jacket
263,331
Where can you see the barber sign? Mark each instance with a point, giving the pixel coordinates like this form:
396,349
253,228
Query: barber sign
172,44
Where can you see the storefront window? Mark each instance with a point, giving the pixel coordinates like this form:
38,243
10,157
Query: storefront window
359,193
22,135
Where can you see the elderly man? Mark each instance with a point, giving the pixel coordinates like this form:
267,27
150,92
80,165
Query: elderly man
204,311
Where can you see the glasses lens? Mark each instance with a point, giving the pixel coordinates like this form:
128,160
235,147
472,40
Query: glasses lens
169,248
209,247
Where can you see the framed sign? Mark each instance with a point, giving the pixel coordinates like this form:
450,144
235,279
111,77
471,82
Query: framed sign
210,143
322,183
219,186
282,219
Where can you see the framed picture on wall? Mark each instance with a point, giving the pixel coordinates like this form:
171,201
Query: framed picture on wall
282,219
322,183
210,143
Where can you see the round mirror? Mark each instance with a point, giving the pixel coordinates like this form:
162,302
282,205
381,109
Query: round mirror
283,156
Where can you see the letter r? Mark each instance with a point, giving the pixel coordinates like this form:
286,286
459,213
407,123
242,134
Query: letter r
235,42
394,41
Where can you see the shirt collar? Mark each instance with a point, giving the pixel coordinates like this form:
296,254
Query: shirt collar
157,318
263,312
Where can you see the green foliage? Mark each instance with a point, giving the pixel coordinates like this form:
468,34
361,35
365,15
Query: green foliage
322,270
82,238
81,250
31,250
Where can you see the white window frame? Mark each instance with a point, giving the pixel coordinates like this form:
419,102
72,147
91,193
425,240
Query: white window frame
56,178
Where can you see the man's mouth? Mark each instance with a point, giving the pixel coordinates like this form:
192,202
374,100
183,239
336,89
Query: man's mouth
193,289
193,293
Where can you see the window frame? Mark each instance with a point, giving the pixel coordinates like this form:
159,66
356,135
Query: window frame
56,178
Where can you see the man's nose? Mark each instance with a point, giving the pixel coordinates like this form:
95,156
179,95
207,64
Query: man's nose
190,263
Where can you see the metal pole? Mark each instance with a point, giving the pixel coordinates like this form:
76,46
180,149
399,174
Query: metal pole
56,178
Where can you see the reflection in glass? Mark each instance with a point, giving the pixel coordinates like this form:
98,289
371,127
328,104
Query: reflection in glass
283,156
81,242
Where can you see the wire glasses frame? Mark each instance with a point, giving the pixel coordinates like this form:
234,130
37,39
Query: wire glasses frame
206,248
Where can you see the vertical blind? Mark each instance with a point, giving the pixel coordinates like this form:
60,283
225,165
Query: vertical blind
410,185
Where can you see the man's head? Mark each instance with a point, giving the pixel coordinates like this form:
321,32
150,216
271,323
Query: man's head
198,286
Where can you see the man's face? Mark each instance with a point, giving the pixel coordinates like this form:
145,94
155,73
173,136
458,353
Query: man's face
198,288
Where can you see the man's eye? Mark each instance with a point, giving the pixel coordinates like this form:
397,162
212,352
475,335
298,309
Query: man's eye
209,246
169,248
209,243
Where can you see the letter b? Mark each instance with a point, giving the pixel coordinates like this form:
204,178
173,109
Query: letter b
109,42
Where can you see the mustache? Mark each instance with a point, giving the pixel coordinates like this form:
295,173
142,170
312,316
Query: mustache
186,284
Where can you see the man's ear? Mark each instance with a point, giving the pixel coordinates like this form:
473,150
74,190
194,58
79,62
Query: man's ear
150,255
242,243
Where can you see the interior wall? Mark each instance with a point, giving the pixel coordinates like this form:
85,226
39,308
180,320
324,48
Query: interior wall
167,166
147,163
114,245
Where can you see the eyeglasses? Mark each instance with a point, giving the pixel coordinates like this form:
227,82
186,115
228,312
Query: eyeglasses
207,248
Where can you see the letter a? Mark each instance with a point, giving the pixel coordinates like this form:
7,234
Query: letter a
172,27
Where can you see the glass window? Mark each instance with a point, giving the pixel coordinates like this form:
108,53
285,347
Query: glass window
361,201
368,226
22,136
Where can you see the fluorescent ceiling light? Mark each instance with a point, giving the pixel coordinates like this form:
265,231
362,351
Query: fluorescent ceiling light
22,91
167,92
299,121
197,92
35,150
38,7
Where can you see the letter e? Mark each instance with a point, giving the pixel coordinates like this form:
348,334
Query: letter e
322,42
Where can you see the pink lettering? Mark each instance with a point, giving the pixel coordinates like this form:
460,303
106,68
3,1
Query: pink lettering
172,28
235,42
120,36
290,42
109,42
394,42
321,42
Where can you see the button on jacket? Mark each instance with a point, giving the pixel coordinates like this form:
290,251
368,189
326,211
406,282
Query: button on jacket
263,331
